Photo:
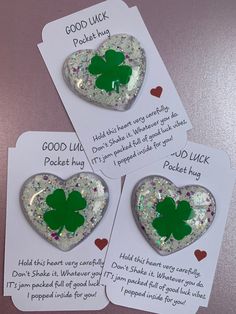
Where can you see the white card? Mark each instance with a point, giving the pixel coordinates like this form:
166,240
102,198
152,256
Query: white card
38,276
117,142
130,278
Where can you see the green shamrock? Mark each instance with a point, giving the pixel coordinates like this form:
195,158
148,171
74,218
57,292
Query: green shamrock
171,220
111,72
65,211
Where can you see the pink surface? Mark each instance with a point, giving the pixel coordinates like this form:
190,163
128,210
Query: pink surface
197,41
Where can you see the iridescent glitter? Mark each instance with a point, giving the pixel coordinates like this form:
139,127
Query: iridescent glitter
33,200
153,189
83,83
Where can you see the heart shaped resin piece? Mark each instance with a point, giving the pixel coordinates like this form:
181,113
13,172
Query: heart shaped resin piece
64,212
169,217
110,76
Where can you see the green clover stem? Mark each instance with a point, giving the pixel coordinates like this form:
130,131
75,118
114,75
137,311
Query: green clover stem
60,231
117,85
167,238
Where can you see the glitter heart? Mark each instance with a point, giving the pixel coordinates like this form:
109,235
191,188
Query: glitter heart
64,212
169,217
110,76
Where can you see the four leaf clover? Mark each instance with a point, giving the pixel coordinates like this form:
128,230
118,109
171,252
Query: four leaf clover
111,72
171,220
65,211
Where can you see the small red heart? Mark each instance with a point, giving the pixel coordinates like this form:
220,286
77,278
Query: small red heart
101,243
200,254
156,91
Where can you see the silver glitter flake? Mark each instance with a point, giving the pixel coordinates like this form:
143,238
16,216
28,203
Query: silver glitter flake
153,189
78,78
33,200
